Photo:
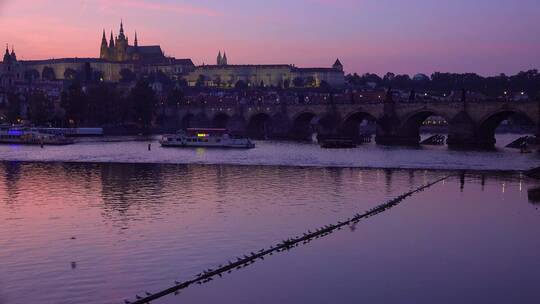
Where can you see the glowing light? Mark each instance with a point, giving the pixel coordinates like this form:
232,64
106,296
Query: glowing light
15,132
202,135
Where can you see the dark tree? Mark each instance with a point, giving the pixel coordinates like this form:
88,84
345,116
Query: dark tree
143,101
127,76
175,97
74,102
101,107
13,111
41,109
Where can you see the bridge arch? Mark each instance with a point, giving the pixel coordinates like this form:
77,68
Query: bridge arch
357,123
411,124
490,122
220,120
259,126
304,125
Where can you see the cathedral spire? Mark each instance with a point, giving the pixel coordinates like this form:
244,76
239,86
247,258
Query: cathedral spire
111,43
121,34
136,42
219,58
224,60
103,38
13,56
7,56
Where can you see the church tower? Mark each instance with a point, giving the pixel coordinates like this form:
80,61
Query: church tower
9,69
337,65
104,52
7,56
219,58
224,59
112,50
13,56
121,45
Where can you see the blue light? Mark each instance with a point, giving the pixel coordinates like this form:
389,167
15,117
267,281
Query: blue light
15,132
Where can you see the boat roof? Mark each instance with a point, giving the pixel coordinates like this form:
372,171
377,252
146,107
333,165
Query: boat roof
207,130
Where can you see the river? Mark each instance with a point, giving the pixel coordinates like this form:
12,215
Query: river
103,220
278,153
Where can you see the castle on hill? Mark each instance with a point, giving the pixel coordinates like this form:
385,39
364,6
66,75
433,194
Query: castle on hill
117,56
119,50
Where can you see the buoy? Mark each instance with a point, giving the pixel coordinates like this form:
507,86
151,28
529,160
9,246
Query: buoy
149,147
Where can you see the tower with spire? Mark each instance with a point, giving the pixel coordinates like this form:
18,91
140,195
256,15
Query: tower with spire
121,45
7,56
224,59
118,48
104,50
9,68
219,58
337,65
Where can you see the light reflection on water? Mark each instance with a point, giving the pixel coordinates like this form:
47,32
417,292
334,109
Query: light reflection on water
98,233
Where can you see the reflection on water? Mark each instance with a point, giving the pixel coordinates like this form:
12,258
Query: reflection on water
98,233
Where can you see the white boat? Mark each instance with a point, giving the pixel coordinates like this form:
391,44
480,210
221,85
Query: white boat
71,132
31,137
206,138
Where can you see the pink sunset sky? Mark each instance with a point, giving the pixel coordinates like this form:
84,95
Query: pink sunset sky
483,36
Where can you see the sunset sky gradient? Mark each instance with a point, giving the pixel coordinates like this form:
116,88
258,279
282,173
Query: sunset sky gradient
484,36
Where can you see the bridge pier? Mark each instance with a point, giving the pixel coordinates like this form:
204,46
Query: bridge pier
465,133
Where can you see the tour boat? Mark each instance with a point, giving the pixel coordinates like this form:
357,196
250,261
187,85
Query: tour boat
31,137
337,143
206,138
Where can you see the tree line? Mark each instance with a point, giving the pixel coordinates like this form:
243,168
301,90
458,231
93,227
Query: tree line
492,86
89,105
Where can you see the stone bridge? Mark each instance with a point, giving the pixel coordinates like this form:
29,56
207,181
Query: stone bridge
469,123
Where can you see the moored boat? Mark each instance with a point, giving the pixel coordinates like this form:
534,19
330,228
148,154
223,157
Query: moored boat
206,138
31,137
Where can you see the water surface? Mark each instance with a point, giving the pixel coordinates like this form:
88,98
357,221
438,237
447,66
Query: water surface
100,233
276,153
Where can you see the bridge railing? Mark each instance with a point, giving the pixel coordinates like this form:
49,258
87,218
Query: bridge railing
318,99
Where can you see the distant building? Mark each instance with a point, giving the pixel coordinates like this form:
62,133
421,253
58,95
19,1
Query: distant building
223,74
117,58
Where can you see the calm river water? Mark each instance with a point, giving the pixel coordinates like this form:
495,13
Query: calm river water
100,222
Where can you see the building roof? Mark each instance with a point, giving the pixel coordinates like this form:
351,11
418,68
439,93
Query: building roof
236,66
316,70
62,60
183,61
146,51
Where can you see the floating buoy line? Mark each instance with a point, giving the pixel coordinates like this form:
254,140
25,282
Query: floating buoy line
246,260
